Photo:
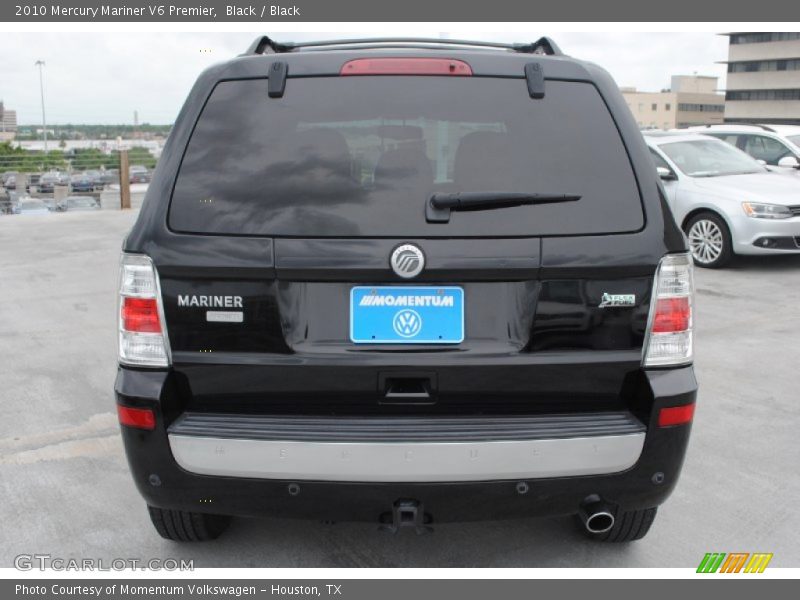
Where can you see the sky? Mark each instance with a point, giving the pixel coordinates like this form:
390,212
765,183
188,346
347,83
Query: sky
103,78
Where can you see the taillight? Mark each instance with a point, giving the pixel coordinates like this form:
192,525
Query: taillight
406,66
140,418
675,415
142,335
669,337
140,315
672,314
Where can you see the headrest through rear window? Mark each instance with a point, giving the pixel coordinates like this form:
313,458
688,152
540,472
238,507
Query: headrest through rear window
407,167
323,148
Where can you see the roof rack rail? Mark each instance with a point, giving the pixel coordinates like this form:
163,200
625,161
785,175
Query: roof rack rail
545,45
742,123
266,45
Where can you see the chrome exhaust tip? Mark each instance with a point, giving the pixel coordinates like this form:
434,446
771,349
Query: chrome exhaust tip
596,515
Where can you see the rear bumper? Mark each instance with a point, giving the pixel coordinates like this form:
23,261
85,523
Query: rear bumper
403,449
634,466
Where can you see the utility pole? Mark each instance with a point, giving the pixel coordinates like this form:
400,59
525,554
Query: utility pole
40,64
124,180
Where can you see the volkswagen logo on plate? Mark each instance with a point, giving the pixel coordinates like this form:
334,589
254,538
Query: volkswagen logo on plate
407,261
407,323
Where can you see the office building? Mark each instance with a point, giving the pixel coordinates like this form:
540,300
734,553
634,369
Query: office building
763,84
690,100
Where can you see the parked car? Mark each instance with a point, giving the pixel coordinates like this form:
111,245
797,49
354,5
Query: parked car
139,174
31,206
48,181
33,182
107,177
8,176
10,182
77,203
96,177
82,182
318,322
725,201
778,146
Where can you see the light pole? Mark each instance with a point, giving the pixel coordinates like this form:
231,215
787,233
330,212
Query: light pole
40,64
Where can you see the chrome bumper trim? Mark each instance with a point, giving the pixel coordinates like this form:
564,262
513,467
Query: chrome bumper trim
387,462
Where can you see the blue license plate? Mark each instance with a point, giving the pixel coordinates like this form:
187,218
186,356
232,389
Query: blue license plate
406,315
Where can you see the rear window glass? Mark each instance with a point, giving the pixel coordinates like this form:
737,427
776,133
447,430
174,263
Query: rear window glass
360,157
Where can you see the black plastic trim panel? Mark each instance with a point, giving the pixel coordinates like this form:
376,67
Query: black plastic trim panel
405,429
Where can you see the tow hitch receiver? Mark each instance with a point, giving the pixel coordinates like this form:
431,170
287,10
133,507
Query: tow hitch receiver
406,513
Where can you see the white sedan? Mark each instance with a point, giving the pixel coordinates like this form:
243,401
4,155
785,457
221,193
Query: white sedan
724,200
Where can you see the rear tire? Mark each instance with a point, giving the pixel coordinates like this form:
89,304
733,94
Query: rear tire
183,526
629,526
709,240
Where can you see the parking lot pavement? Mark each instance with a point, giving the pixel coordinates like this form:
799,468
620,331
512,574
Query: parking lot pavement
67,492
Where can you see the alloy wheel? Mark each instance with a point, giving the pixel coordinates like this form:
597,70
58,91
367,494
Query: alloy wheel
706,241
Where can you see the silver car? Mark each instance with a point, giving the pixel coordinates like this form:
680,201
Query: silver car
724,200
31,206
75,203
776,146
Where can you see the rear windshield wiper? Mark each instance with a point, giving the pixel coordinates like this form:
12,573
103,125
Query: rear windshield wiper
440,206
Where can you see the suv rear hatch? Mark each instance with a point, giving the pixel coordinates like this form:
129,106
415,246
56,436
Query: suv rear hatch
283,206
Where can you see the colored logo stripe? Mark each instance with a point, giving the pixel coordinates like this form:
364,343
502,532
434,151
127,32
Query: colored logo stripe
758,562
711,562
734,563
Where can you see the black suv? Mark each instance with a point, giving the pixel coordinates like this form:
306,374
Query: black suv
409,281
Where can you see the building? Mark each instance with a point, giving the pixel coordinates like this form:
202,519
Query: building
8,123
690,100
8,119
763,78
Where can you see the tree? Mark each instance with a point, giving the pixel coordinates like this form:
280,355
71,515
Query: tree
13,158
141,156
